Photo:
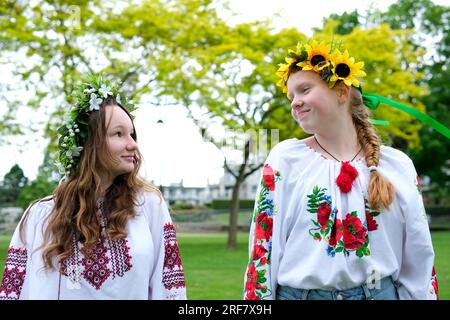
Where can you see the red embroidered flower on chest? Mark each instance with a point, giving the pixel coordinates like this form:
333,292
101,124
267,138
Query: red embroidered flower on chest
354,232
336,232
323,214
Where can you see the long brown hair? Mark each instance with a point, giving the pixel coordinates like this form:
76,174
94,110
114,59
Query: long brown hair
74,215
381,192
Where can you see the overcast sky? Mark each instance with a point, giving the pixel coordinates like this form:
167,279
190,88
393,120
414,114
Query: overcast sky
180,153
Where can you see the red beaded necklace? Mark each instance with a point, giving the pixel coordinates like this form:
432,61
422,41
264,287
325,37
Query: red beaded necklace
348,173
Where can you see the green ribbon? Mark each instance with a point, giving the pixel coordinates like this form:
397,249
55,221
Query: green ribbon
372,101
379,122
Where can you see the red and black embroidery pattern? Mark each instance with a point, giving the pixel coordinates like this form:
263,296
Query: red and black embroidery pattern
173,276
14,276
95,265
120,257
108,257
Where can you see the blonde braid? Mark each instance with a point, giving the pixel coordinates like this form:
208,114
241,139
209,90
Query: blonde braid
381,192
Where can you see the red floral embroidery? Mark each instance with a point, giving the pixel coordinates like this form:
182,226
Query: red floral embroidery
257,284
434,283
419,184
323,214
371,223
269,177
252,283
258,252
354,232
264,225
336,232
14,275
173,276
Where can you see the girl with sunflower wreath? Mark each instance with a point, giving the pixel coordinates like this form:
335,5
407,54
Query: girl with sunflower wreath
104,233
338,215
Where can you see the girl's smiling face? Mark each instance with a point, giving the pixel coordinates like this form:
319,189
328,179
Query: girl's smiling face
313,105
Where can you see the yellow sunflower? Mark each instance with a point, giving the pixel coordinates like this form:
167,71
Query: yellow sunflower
318,56
344,68
292,57
283,73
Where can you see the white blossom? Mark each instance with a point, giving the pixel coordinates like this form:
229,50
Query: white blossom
60,167
94,103
76,151
105,91
89,90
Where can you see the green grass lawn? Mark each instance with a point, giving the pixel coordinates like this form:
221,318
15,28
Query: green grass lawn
212,272
4,243
244,218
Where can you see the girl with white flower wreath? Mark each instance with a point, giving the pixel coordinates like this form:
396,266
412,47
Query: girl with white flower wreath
338,215
104,233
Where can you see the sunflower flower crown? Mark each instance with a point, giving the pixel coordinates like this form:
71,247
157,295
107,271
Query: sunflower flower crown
326,59
88,98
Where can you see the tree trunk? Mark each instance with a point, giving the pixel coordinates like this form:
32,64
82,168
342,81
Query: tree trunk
234,214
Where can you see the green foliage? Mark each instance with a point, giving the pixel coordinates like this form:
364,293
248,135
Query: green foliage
11,186
433,23
347,22
44,184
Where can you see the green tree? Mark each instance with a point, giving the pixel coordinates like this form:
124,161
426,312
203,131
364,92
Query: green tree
347,22
433,24
44,41
12,184
230,81
44,184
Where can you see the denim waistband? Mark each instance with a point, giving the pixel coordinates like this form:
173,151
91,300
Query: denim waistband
366,291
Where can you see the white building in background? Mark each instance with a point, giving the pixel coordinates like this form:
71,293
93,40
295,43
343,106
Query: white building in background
177,193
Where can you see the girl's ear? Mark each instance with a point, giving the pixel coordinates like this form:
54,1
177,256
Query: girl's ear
343,92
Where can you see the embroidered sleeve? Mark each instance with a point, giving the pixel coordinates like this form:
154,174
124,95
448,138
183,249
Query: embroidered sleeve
257,277
14,274
173,276
17,272
417,278
434,287
167,282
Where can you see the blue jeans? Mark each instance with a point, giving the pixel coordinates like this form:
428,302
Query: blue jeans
384,290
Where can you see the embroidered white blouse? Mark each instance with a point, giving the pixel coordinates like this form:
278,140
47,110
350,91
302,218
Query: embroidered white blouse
144,265
307,234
